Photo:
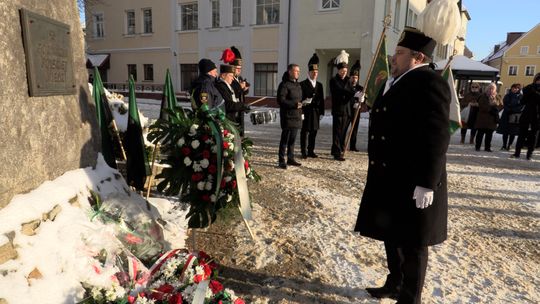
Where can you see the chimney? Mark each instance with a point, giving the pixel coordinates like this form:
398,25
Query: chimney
512,37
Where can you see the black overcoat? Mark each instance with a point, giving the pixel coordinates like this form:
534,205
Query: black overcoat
530,117
204,87
232,102
342,92
408,140
289,94
315,108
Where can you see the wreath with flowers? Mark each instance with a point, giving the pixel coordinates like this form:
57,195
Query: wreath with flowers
200,146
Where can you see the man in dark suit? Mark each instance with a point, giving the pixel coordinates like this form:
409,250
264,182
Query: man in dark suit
289,98
225,88
405,201
313,108
355,104
342,92
203,89
241,88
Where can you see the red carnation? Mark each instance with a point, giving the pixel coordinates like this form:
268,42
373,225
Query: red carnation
204,137
225,132
131,299
215,286
203,257
205,197
197,177
206,154
222,183
233,184
161,291
175,299
246,165
239,301
212,169
186,151
225,145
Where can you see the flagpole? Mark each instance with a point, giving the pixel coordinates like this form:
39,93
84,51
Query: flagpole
152,171
258,100
386,22
117,133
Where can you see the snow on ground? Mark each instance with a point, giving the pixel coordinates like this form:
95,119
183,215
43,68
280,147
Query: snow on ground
65,244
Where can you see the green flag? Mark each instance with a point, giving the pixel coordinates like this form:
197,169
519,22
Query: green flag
378,74
137,163
104,117
168,100
454,114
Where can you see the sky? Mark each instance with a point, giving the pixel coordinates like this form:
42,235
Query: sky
492,19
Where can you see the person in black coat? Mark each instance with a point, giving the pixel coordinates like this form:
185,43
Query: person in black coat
241,88
203,89
529,123
405,198
313,108
289,98
509,122
342,92
355,104
225,88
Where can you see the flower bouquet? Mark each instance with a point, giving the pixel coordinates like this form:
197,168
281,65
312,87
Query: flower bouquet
201,146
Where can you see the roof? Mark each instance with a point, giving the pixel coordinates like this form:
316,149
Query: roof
504,46
464,67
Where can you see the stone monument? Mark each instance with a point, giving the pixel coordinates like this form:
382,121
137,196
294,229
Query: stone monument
47,117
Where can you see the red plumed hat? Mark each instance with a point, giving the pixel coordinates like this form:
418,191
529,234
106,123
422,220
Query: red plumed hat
228,56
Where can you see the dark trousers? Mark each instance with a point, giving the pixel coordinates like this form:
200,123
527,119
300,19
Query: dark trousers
352,143
310,136
407,266
528,137
339,130
506,142
464,133
288,136
480,135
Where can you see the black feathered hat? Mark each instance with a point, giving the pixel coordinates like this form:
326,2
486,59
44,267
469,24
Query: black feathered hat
415,40
355,69
313,63
238,57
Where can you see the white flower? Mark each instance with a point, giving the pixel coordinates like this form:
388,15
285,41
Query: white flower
181,142
231,146
213,198
208,186
96,293
231,293
230,135
199,270
193,129
200,186
189,292
187,161
205,163
229,198
225,153
195,144
213,149
228,178
197,167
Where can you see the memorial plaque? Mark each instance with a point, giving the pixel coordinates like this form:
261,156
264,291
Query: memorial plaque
49,58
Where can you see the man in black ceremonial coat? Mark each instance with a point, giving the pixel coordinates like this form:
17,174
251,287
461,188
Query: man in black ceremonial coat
404,202
342,93
313,108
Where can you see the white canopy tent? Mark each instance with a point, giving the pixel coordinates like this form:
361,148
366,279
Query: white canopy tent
467,69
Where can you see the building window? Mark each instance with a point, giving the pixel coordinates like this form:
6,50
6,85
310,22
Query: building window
189,16
148,72
266,79
147,20
330,4
215,13
397,14
188,73
529,70
267,11
524,50
99,28
130,22
132,70
512,70
237,12
411,18
442,51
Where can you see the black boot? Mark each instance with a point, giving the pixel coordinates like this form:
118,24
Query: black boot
389,290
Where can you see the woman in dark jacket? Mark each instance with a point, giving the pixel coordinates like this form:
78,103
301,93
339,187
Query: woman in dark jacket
529,123
488,116
471,98
509,122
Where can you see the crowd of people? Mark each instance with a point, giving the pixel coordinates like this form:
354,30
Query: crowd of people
515,115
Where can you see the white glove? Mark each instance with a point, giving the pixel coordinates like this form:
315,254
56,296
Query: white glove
360,96
423,197
306,101
356,105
